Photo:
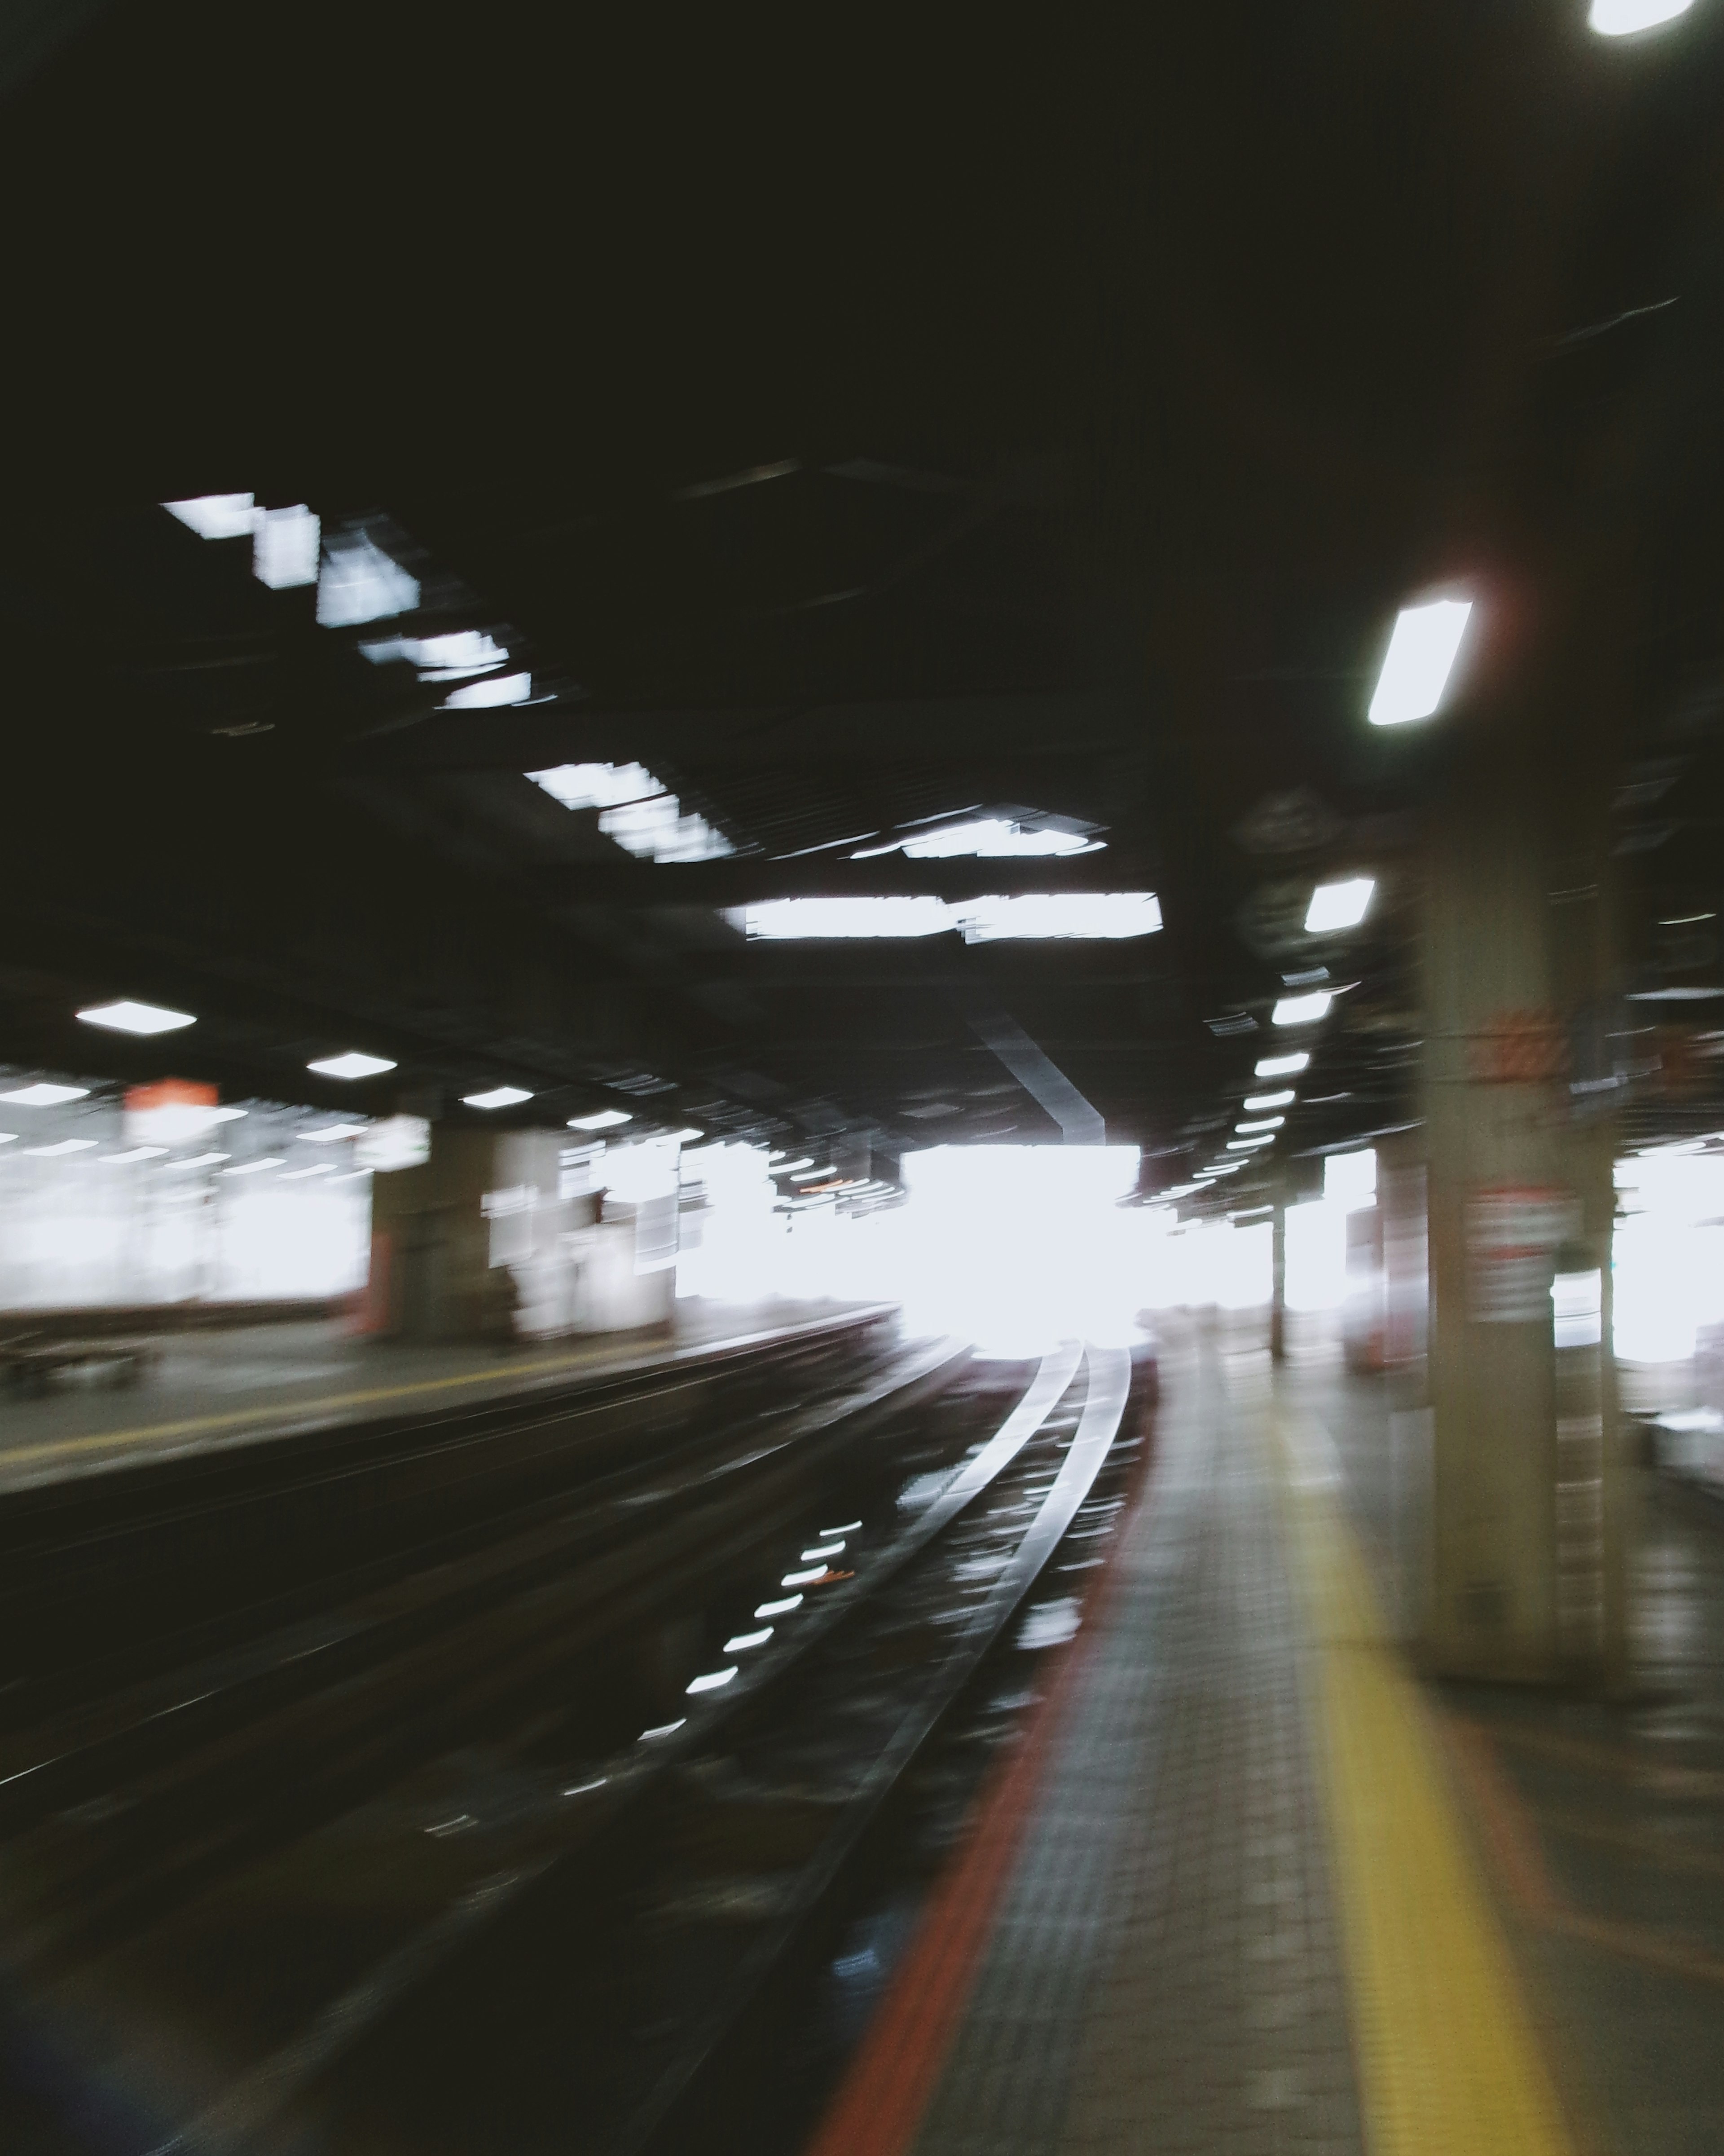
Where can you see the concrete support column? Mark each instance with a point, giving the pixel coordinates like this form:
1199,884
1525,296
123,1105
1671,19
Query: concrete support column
1278,1275
1528,1537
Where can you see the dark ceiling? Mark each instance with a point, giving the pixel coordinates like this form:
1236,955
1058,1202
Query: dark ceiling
854,427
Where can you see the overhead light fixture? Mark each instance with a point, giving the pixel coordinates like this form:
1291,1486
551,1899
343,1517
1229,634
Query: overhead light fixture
1034,916
332,1132
490,689
499,1096
1338,905
1247,1145
127,1017
790,1166
986,838
687,1136
137,1152
1283,1099
352,1064
1421,652
1281,1067
636,809
215,515
200,1160
284,546
317,1167
358,582
44,1095
603,1119
1621,18
1302,1010
65,1145
1267,1123
256,1166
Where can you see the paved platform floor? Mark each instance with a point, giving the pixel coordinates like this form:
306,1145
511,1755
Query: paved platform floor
221,1387
1268,1892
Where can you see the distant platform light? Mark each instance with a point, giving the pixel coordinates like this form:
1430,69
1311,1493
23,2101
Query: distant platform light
1283,1099
601,1119
1621,18
216,515
284,546
499,1096
1282,1066
1079,916
1338,905
1301,1010
128,1017
1416,668
352,1064
358,582
45,1096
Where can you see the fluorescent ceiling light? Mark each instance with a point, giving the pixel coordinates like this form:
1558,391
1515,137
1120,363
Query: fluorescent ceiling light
636,810
137,1152
215,515
454,656
1338,905
1621,18
200,1160
1283,1099
1267,1123
127,1017
1302,1010
490,689
603,1119
1078,915
352,1064
331,1132
284,546
687,1136
499,1096
988,837
9,1138
790,1166
317,1167
1281,1067
1247,1145
1415,671
256,1166
358,582
1677,995
45,1096
65,1145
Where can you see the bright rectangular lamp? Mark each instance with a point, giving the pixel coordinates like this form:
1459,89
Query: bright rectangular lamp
352,1064
1421,652
44,1095
1338,905
1282,1066
605,1119
1283,1099
1621,18
1301,1010
499,1096
128,1017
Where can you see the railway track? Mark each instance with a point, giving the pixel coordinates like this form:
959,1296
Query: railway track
611,1770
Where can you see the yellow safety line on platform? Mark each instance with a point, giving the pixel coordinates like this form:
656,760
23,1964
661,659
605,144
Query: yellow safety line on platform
295,1411
1448,2061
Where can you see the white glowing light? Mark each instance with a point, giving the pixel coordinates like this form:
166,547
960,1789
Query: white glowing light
663,1729
802,1578
499,1096
1283,1099
456,655
9,1138
1281,1067
636,809
215,515
687,1135
44,1095
849,1527
780,1609
317,1167
1338,905
988,837
822,1550
603,1119
65,1145
744,1640
490,689
1247,1145
331,1133
714,1680
1088,915
358,582
1621,18
1263,1123
284,546
1421,652
1302,1010
127,1017
201,1160
256,1166
352,1064
137,1152
397,1142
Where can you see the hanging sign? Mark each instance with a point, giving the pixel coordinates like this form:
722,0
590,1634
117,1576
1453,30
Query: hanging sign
1513,1232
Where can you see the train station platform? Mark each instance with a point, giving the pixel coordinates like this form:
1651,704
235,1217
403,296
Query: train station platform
1248,1884
207,1389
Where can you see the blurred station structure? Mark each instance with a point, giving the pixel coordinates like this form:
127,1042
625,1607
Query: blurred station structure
972,786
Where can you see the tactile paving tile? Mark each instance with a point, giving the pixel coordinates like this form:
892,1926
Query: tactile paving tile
1165,1968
